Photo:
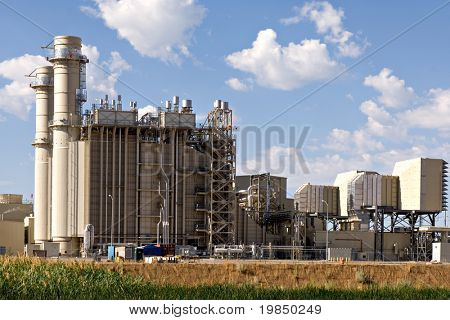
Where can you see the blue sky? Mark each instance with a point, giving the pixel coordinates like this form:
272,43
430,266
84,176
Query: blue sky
261,58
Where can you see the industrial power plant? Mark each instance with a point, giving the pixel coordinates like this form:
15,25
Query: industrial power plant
108,182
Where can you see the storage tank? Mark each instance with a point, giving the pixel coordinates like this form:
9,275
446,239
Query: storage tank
308,199
88,239
423,184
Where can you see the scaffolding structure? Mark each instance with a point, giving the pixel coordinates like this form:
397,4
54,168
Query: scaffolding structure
221,200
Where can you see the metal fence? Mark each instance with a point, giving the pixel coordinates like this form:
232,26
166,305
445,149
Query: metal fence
300,253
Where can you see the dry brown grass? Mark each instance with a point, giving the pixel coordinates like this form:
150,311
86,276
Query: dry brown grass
271,274
292,275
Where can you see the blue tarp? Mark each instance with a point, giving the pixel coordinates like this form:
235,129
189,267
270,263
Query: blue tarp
152,250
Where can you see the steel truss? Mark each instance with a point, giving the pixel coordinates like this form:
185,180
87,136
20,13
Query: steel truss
220,146
385,220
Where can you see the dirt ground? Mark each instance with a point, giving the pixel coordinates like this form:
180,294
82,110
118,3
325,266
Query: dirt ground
290,274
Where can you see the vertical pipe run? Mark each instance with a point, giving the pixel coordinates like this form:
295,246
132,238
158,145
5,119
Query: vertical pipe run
184,190
100,231
119,233
105,232
175,171
113,186
87,181
125,189
136,226
49,192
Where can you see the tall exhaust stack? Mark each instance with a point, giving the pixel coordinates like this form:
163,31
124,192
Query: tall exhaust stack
69,67
43,86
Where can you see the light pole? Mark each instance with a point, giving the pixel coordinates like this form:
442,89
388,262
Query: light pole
112,216
326,227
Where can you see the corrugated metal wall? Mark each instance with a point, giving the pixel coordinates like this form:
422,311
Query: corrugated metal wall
367,190
308,199
104,170
137,199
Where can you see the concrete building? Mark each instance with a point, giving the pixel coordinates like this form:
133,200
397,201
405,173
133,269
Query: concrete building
14,208
13,211
396,245
12,236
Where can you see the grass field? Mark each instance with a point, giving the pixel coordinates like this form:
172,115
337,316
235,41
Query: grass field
22,278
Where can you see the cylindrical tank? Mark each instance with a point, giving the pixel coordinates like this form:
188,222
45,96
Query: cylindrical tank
43,86
186,106
88,241
66,67
175,102
217,103
119,102
168,106
224,105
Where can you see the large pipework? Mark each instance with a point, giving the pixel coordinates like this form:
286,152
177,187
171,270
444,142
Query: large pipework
69,94
43,86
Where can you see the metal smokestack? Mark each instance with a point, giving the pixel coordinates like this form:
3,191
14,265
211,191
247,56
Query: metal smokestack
43,86
68,65
175,102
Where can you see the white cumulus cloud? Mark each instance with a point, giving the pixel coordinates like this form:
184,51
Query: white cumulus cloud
328,21
155,28
284,68
147,109
16,97
102,75
239,85
358,141
394,92
433,114
381,123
